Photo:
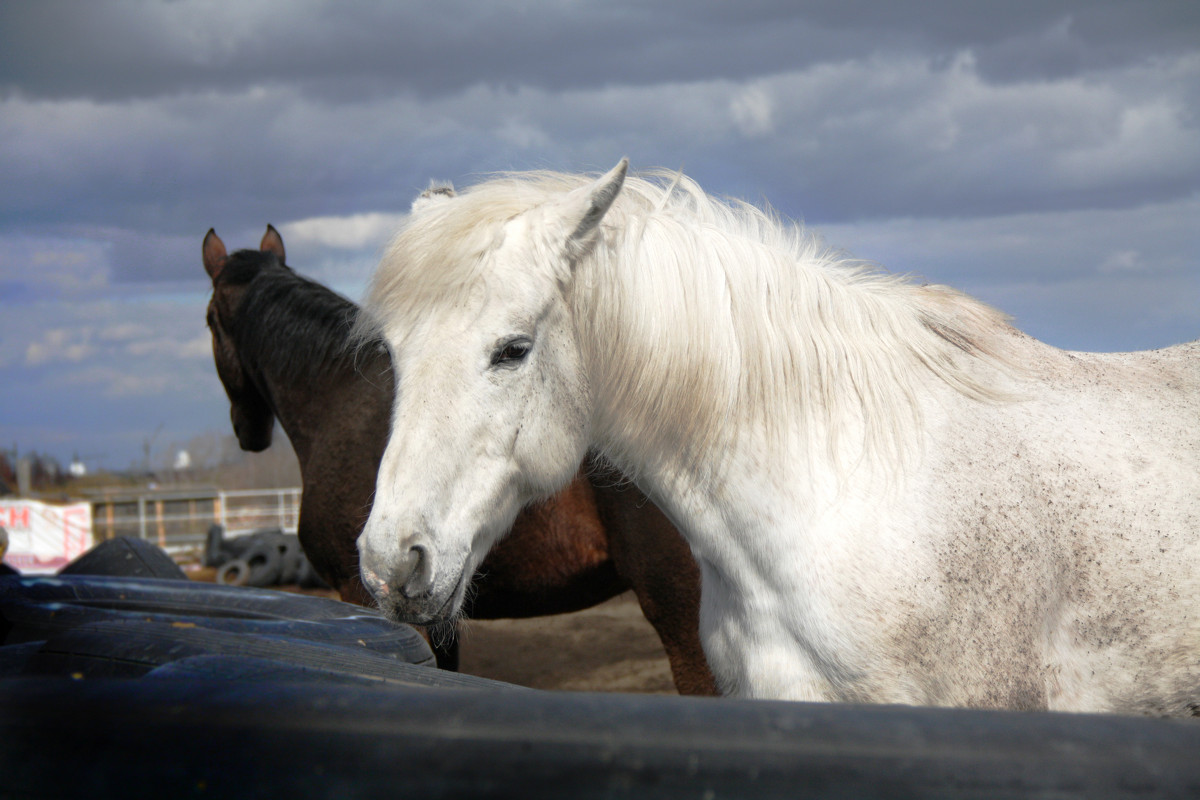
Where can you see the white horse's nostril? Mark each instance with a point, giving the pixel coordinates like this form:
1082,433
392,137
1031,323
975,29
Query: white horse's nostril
414,576
409,575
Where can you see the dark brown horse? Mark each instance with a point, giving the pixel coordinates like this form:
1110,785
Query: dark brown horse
282,350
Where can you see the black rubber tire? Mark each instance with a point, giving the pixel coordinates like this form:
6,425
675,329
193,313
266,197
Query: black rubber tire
34,609
236,546
246,668
291,555
304,571
119,649
296,740
307,577
235,572
214,553
127,556
265,561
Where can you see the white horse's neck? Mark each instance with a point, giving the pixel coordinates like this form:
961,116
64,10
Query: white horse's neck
751,384
713,333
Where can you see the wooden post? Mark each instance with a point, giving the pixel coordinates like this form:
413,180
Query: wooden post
162,531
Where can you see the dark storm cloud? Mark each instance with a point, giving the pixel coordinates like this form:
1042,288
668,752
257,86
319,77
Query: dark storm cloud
882,137
359,49
155,116
109,51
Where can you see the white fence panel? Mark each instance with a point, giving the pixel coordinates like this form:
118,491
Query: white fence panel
179,520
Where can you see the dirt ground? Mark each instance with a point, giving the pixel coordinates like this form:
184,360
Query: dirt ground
608,648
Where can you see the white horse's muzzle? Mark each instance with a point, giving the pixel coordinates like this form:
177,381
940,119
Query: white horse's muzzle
405,586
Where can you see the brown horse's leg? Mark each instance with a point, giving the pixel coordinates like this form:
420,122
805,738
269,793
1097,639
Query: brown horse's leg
649,552
445,648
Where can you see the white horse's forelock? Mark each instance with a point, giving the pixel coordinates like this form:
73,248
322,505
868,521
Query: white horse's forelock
678,306
437,255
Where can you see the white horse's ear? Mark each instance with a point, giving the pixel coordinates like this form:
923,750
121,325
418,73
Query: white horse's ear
436,193
585,208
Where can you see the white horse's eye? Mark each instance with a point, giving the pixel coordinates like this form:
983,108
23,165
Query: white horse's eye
512,352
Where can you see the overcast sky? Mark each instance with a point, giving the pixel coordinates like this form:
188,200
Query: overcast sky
1044,156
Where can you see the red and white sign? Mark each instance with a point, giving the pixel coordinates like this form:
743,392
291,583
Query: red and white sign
42,538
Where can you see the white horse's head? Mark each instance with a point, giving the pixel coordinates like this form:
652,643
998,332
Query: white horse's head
492,406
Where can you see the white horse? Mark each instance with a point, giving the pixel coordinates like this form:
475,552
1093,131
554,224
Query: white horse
894,496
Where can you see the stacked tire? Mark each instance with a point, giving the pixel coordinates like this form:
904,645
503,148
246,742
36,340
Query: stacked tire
262,559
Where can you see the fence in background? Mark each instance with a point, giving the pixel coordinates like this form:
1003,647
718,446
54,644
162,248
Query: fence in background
179,520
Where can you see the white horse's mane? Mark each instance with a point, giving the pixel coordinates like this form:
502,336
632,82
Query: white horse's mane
693,311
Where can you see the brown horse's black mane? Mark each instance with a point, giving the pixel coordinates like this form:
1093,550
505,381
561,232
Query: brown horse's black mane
288,325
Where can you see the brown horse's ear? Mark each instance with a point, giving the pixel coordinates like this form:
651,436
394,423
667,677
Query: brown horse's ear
214,254
273,243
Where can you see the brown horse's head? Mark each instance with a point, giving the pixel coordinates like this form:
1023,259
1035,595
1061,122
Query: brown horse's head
250,410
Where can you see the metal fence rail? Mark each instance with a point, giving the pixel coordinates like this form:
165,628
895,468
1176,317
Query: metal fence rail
179,520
